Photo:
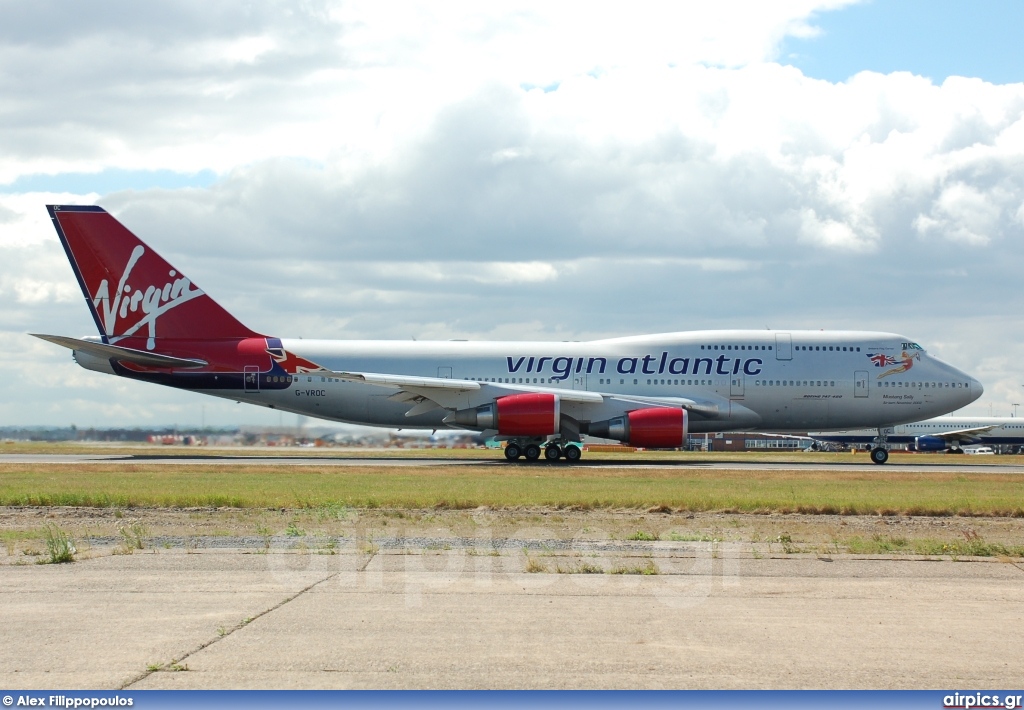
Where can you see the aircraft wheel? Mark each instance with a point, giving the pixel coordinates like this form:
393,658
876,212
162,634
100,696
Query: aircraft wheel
532,452
572,453
552,452
956,450
513,452
879,455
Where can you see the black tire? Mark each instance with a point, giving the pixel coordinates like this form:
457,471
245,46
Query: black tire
572,453
879,455
957,450
532,452
552,452
513,452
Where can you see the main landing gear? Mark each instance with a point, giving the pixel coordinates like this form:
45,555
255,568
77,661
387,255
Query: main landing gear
553,450
880,452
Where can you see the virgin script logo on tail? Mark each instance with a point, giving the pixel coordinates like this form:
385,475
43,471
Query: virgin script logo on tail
152,300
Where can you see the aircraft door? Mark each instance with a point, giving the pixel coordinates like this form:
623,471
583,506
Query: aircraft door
783,346
736,387
251,378
579,382
860,383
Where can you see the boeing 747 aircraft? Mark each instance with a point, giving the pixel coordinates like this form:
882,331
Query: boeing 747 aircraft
940,434
155,325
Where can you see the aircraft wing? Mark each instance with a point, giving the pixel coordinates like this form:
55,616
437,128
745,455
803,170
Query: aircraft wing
137,357
428,393
963,433
408,381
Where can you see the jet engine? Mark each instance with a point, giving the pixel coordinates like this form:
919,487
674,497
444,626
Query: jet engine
531,414
930,443
653,428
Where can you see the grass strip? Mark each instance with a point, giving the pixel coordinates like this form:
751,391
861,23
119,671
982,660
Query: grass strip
885,492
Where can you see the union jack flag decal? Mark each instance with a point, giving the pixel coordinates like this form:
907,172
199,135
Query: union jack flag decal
881,360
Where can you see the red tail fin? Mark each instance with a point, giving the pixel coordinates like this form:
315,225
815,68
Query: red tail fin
132,291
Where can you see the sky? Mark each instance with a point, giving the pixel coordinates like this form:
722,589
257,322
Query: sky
517,170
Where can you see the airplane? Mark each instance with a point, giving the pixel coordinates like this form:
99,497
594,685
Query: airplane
949,434
155,325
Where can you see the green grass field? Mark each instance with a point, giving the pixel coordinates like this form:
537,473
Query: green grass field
885,491
146,450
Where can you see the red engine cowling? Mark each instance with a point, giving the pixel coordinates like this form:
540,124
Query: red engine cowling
530,414
653,428
657,428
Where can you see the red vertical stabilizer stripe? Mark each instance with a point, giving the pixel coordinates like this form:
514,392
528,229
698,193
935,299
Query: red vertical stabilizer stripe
133,291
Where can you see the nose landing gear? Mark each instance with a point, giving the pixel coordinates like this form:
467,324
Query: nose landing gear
880,451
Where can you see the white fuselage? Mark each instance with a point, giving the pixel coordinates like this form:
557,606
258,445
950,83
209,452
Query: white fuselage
765,380
963,430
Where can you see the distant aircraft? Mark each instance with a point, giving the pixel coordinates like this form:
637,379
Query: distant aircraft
157,326
939,434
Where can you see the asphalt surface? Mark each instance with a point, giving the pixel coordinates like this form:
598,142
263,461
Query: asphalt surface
713,617
973,464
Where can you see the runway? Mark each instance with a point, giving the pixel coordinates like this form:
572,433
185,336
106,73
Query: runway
712,617
963,464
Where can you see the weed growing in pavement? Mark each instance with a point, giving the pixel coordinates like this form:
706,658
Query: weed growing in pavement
580,568
534,566
326,546
59,546
645,570
333,511
787,543
133,535
692,537
644,536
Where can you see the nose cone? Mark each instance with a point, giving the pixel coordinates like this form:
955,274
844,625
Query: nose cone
972,389
976,389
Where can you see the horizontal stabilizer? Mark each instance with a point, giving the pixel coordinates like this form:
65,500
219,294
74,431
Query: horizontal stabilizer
137,357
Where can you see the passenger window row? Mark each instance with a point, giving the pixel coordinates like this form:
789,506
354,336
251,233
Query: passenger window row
827,348
794,383
513,380
735,347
